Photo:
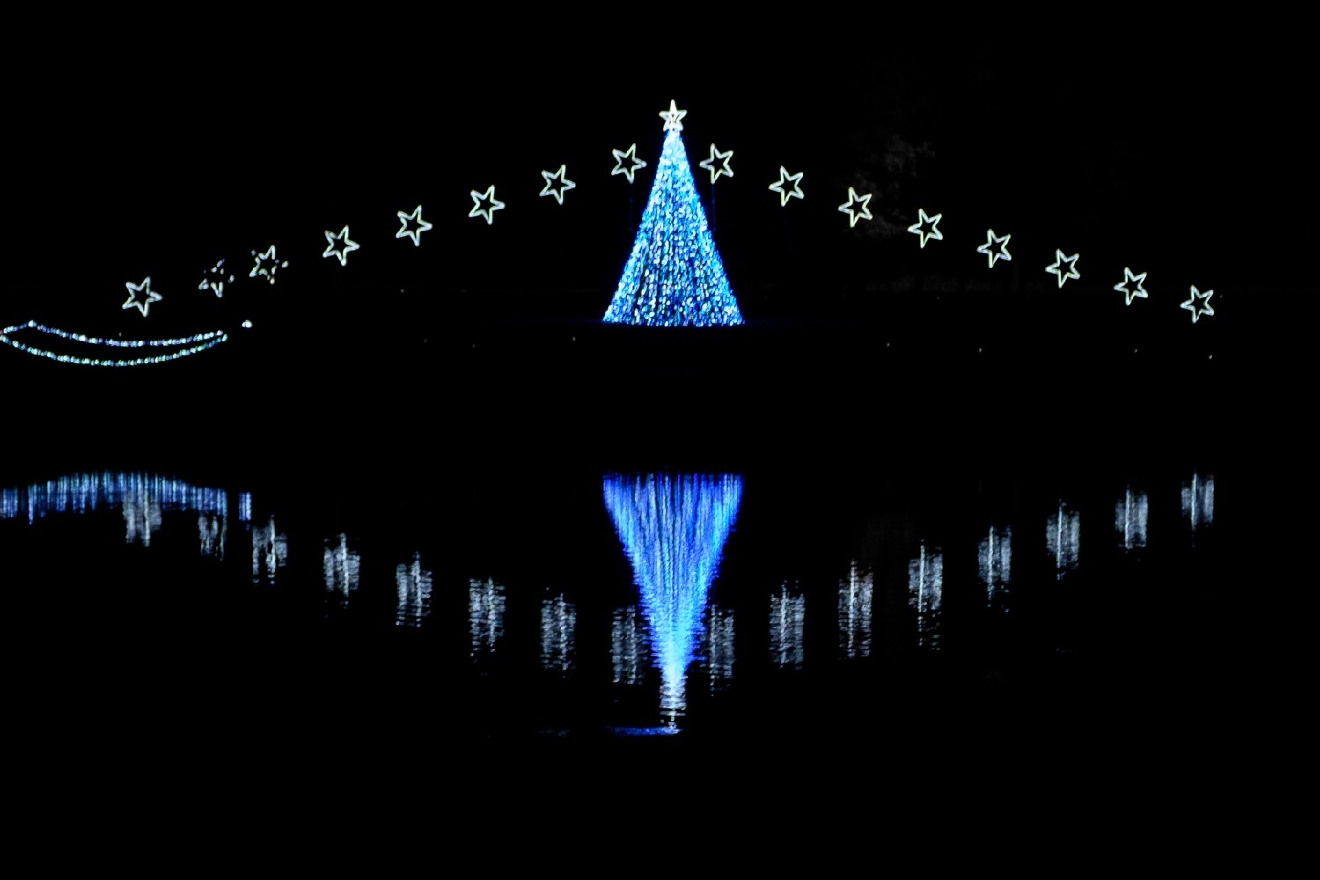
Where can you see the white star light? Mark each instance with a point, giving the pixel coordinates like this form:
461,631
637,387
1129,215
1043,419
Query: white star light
149,296
786,178
491,205
339,246
557,191
672,117
920,227
717,156
413,226
1136,282
214,279
853,211
1056,268
267,271
988,248
1198,304
633,162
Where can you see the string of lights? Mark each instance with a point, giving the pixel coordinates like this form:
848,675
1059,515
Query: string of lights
190,345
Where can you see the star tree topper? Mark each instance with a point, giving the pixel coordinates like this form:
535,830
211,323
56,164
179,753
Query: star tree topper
672,117
1056,268
1198,304
779,186
926,227
150,296
717,156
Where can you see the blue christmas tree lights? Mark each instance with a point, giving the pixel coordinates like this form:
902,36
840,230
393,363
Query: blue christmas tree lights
674,276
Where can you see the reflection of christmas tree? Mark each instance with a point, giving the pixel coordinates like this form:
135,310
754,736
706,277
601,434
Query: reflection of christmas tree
674,276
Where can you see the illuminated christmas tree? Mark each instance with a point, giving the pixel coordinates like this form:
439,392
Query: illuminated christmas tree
674,276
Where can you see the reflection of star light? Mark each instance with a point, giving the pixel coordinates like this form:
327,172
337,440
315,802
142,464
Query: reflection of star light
1198,304
717,644
413,589
341,568
214,279
558,634
1130,516
266,265
413,226
717,156
485,205
1198,502
485,615
1132,285
339,245
149,296
994,558
926,594
672,117
779,186
621,156
856,207
564,186
855,613
991,240
1062,538
788,614
1056,268
628,645
926,227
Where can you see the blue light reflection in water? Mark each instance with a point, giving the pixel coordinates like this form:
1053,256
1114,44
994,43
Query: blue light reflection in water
673,528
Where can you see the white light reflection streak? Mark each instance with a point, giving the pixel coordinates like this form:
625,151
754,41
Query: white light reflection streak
994,561
926,594
1198,503
855,593
486,601
1130,519
1063,538
413,587
717,645
558,634
342,568
269,552
628,646
788,612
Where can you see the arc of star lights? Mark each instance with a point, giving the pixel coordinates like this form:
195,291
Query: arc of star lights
920,227
779,186
413,226
850,207
557,191
491,205
988,248
339,245
1137,290
149,296
1198,303
633,162
722,158
261,270
1056,268
672,117
208,283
